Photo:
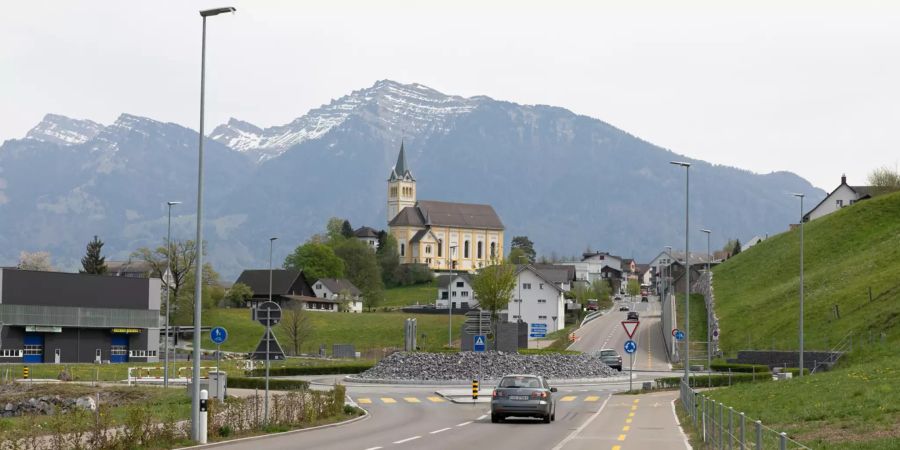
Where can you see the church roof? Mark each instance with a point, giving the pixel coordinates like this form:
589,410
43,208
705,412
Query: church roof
462,215
409,216
400,170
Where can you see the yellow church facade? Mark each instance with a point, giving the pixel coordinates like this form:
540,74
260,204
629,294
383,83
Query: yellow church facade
441,235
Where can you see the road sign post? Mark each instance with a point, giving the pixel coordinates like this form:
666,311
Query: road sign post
630,348
479,343
268,314
218,335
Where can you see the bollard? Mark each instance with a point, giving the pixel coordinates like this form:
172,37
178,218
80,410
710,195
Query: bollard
741,442
204,399
25,372
783,441
758,435
474,389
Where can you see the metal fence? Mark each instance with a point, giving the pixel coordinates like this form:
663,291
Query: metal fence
721,427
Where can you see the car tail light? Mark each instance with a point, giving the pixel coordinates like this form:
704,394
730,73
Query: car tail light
497,393
539,394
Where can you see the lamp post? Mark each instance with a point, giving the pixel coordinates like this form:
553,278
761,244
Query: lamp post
168,276
450,249
801,281
708,282
268,331
687,268
519,282
198,280
667,271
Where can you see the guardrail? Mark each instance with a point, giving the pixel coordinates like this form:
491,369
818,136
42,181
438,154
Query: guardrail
591,316
722,427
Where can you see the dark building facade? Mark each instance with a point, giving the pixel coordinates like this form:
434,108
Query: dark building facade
57,317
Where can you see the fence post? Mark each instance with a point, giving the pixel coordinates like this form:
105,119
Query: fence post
758,435
703,417
743,436
721,425
783,441
730,427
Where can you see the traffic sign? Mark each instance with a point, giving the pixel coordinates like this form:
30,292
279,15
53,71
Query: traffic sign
716,333
218,335
479,343
268,314
537,335
679,335
630,346
674,330
539,325
630,326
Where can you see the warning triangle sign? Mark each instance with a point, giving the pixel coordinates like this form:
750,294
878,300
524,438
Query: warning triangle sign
630,326
275,352
479,340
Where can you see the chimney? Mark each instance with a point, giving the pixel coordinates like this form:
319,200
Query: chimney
844,179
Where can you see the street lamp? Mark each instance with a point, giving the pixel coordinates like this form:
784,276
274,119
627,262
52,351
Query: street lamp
667,272
519,282
687,268
198,280
801,281
450,297
708,292
268,339
168,276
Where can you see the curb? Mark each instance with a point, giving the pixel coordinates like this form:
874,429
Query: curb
283,433
556,381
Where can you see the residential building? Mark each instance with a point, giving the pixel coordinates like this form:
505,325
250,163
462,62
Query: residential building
841,196
456,289
368,235
286,285
426,230
56,317
342,290
536,299
591,267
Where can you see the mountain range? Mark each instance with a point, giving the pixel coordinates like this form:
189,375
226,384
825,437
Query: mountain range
567,181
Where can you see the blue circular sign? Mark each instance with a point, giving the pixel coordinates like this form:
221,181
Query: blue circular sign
630,346
218,335
679,335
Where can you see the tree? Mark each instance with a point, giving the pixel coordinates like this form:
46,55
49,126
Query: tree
238,295
316,260
737,247
388,258
517,256
183,257
211,293
634,288
362,269
884,180
347,230
35,261
92,262
493,287
582,293
333,229
296,324
526,245
601,290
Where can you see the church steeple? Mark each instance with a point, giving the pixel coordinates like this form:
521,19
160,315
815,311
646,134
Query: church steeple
401,186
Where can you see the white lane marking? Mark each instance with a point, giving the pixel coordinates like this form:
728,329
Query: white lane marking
464,424
374,448
481,417
407,439
573,434
438,431
687,444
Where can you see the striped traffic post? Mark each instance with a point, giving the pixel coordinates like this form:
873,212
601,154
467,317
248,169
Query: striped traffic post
25,372
474,389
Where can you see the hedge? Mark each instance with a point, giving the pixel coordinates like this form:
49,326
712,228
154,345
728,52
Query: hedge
713,380
314,370
251,383
795,371
747,368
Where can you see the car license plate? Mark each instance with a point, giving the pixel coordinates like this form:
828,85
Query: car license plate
518,397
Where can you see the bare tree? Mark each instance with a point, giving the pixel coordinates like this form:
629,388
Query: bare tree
296,324
884,180
183,255
35,261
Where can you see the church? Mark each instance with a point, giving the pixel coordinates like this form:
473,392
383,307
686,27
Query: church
441,235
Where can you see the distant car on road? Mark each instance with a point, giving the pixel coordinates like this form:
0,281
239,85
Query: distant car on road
611,358
624,308
633,315
592,305
644,293
644,299
618,297
523,396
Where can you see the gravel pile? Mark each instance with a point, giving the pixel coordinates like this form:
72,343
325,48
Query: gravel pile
486,365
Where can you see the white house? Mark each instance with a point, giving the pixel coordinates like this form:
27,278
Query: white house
591,266
843,195
368,235
458,290
339,290
537,299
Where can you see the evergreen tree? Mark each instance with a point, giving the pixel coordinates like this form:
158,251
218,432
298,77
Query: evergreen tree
525,244
737,247
346,229
92,262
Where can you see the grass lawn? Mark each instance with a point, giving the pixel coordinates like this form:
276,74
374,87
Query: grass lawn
698,326
367,331
422,294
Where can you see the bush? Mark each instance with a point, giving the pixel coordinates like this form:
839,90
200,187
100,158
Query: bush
714,380
746,368
409,274
251,383
795,371
314,370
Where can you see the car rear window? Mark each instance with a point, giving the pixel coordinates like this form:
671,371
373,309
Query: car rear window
520,382
608,353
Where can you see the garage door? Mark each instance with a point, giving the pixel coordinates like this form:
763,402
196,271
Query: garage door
118,352
34,348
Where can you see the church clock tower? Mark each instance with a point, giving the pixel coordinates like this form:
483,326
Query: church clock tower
401,187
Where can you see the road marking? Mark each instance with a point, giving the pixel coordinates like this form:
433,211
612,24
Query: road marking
481,417
626,428
621,437
388,400
365,401
567,398
464,424
438,431
373,448
591,398
436,399
582,426
637,400
407,439
628,420
411,400
631,414
617,447
634,408
687,443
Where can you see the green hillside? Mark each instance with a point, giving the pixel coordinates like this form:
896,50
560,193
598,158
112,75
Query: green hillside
846,254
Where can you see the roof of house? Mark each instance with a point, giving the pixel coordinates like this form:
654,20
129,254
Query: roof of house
258,280
602,255
130,266
366,232
611,269
642,268
338,285
521,268
444,280
556,273
863,192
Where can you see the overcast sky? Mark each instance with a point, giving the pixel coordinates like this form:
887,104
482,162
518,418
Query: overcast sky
812,88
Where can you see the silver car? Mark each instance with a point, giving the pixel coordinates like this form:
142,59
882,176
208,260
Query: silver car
523,396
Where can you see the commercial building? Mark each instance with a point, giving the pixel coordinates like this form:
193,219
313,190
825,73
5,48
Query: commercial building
57,317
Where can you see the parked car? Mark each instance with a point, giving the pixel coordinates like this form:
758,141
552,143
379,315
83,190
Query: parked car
611,358
624,308
633,315
592,305
523,396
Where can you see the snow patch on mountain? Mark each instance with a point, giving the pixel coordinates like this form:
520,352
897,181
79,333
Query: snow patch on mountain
64,130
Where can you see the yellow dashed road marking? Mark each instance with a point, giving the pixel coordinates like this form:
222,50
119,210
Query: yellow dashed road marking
567,398
388,400
621,437
364,401
617,447
631,414
634,408
436,399
627,420
637,400
411,399
591,398
626,428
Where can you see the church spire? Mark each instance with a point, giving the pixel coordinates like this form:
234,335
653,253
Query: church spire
400,170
